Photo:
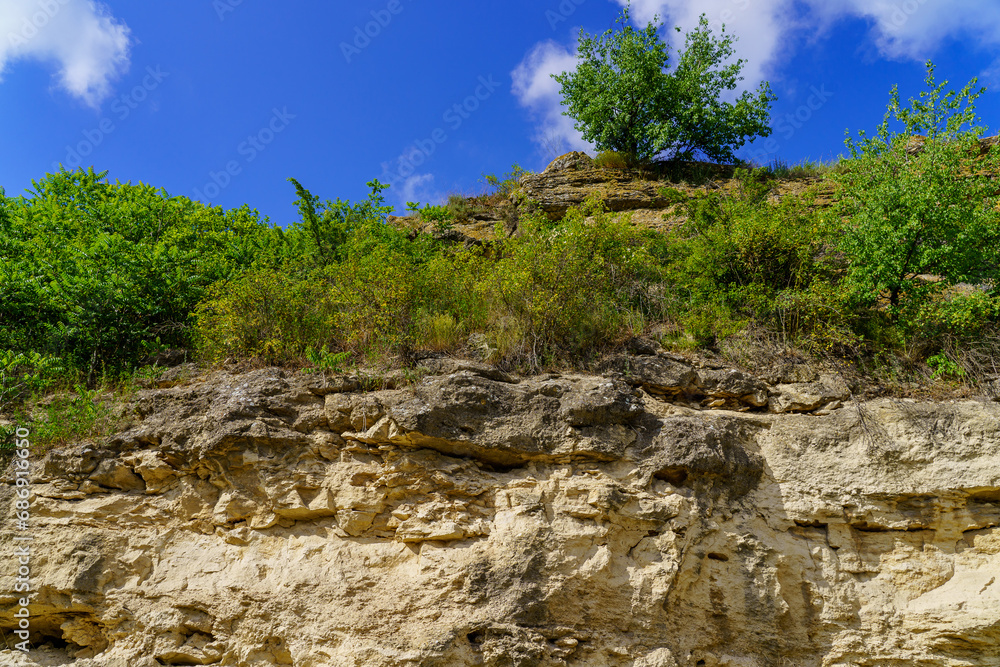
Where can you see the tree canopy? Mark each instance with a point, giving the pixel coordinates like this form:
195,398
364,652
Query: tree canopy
922,201
624,98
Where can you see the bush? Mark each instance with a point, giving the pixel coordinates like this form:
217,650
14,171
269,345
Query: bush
372,299
446,289
73,416
805,169
615,160
739,258
321,237
440,332
438,214
561,293
92,272
460,207
25,373
506,184
265,317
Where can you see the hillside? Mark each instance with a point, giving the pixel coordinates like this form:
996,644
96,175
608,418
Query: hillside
600,415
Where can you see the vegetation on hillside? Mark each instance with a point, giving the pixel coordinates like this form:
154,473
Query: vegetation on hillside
899,276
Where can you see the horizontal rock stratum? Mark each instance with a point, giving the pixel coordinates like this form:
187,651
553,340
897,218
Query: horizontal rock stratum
473,518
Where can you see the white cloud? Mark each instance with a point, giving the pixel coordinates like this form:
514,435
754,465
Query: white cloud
536,90
915,29
408,184
766,31
89,46
759,26
418,188
911,29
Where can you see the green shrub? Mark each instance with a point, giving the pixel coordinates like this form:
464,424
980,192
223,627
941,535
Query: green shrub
672,195
440,332
806,169
562,293
943,366
740,258
442,215
707,324
446,289
439,214
25,373
265,317
506,184
322,235
725,246
91,271
461,208
324,360
372,299
72,416
615,160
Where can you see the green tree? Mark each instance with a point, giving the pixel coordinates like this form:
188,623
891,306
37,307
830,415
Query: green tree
624,99
920,201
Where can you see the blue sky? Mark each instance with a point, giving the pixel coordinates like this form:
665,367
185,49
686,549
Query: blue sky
223,100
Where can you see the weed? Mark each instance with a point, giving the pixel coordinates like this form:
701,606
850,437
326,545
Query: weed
616,160
780,169
944,367
672,195
80,414
324,360
504,185
23,374
439,331
461,208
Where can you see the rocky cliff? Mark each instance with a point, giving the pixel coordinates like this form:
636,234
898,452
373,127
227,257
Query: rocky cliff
665,513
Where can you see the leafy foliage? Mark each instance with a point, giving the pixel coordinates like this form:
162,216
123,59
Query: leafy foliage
505,184
921,211
325,360
24,373
740,258
558,293
263,316
624,99
93,273
615,160
69,416
319,238
95,276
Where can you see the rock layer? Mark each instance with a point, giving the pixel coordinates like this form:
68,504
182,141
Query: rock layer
473,518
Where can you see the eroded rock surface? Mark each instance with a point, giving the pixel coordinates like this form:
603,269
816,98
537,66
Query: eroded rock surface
572,177
473,518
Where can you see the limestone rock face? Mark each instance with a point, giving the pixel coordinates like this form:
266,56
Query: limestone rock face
473,518
567,183
574,160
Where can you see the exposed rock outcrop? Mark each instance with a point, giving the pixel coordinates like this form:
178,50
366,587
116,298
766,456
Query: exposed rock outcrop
474,518
650,200
569,179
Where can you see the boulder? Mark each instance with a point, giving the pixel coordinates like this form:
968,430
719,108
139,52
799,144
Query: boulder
808,396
